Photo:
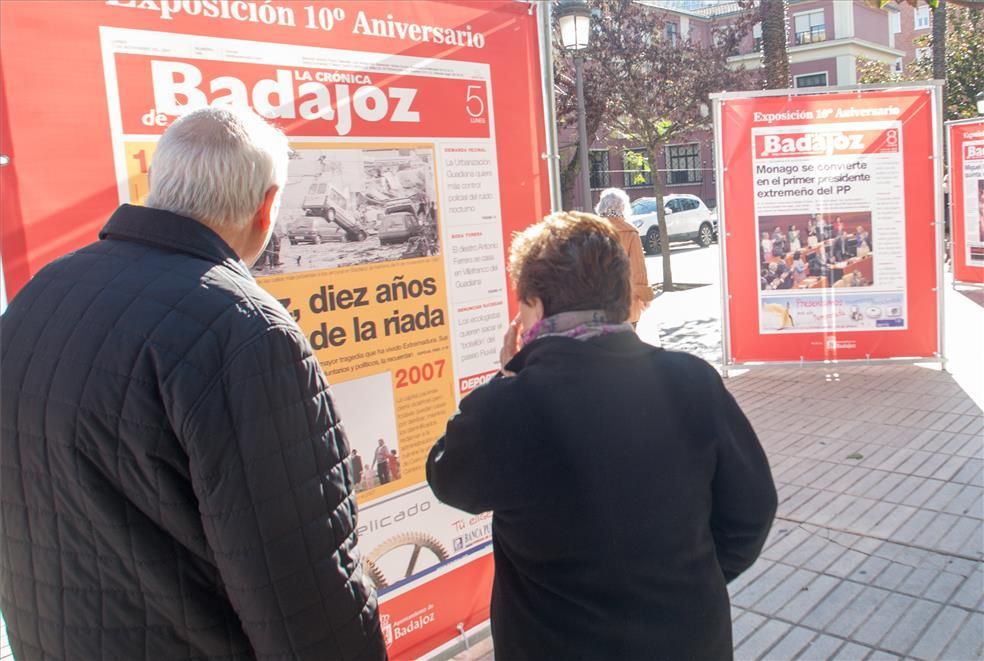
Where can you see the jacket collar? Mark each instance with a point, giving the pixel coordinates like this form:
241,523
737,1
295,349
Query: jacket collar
615,343
169,230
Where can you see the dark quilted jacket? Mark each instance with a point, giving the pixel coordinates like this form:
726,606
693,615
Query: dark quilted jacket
173,482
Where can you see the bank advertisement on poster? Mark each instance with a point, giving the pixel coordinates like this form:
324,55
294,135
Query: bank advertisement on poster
388,250
966,170
828,202
824,199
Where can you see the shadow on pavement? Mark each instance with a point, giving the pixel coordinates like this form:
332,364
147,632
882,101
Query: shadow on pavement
701,337
974,294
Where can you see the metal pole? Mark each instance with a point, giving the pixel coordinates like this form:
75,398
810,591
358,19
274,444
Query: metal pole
582,138
549,108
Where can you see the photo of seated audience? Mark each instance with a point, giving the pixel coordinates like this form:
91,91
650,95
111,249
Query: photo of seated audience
816,251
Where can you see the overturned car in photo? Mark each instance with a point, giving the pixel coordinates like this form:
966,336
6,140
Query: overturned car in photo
406,221
326,203
399,221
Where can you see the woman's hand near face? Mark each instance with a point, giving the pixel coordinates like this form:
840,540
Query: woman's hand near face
510,345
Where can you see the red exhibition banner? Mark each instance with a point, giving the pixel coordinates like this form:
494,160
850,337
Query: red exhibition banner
416,132
966,176
830,240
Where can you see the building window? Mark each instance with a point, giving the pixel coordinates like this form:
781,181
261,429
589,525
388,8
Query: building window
897,67
757,37
922,17
683,164
894,22
811,80
600,172
924,53
810,27
672,33
636,165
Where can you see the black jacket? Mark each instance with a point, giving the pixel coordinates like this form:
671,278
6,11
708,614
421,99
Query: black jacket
627,489
173,474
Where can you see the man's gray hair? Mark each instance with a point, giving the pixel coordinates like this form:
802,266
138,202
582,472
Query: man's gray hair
216,164
614,202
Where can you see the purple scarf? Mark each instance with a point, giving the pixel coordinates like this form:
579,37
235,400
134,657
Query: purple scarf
579,324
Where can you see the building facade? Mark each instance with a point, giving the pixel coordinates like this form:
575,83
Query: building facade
827,38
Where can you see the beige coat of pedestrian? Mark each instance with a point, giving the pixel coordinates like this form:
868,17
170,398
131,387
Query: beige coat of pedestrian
642,292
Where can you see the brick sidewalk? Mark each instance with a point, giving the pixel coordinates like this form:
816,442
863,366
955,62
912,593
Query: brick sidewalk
878,546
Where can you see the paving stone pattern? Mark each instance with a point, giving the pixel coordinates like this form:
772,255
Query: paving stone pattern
878,546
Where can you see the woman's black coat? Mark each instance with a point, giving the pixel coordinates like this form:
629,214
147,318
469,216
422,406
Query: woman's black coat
627,488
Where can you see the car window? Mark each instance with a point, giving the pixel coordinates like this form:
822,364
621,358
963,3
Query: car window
688,205
338,199
643,207
674,206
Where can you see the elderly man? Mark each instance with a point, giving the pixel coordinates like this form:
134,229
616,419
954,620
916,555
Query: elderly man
175,482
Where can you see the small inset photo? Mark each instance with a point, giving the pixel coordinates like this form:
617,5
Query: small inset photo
815,251
342,207
375,453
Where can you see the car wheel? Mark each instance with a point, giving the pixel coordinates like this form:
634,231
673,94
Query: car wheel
705,235
651,242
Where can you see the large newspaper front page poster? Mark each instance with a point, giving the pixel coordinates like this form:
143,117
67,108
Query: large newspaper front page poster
966,173
390,245
829,253
822,201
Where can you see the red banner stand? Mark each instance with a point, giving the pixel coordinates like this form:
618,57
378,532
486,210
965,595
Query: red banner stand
831,224
965,168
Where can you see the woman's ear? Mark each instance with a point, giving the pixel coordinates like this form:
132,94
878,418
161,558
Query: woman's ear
530,312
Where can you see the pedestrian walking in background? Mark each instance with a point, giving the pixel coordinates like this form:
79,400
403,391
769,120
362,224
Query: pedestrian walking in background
172,484
627,487
615,206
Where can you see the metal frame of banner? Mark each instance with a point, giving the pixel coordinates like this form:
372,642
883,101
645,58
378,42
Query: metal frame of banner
460,643
552,153
934,88
949,167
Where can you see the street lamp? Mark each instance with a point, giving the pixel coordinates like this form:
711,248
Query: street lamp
574,17
980,102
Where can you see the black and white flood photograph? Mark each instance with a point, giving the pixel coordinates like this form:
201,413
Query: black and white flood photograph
343,207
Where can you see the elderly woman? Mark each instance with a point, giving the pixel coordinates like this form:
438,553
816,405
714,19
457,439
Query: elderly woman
627,487
615,206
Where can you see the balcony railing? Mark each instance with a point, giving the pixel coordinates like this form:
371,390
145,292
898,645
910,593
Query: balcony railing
812,36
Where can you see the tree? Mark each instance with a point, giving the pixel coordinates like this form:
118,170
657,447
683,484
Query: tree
775,35
939,41
964,73
656,86
595,106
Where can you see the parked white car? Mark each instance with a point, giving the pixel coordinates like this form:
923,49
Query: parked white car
687,219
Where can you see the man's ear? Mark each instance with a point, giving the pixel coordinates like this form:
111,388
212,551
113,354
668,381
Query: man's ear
264,215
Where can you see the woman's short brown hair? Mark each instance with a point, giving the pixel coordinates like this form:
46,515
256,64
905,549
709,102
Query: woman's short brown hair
572,261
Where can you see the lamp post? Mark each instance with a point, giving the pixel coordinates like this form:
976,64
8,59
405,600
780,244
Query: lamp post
574,17
980,103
